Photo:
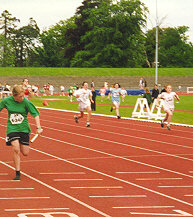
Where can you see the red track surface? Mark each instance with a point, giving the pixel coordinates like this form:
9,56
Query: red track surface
116,168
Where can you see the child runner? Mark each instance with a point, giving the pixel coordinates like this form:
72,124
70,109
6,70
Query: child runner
124,93
115,96
84,97
18,130
168,105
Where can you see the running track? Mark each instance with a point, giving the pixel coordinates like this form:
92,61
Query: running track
116,168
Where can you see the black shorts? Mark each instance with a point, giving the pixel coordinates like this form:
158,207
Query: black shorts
22,137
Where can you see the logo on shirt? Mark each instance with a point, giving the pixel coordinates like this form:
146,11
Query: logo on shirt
16,118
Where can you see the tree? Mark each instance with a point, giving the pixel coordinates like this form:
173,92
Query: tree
74,34
24,40
174,48
7,24
115,38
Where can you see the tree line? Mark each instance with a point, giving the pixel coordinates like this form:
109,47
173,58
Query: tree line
101,33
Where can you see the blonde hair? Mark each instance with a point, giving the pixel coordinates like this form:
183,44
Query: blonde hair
147,90
17,89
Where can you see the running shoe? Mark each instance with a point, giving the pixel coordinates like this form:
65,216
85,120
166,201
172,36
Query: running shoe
17,177
111,109
168,127
76,119
87,124
118,117
162,123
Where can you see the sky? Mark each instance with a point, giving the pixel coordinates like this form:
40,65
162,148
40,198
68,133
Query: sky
171,13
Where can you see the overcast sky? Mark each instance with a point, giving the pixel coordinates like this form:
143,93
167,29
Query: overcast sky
49,12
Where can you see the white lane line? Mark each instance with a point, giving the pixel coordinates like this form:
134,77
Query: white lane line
183,213
65,173
120,134
104,174
3,174
157,179
124,144
143,207
127,123
112,155
177,186
137,172
98,187
190,171
115,178
22,198
58,191
9,180
58,180
10,189
188,195
117,196
14,210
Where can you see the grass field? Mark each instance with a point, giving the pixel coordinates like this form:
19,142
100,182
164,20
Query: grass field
186,103
16,71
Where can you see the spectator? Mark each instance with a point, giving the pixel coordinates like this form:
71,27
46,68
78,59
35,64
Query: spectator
93,102
141,86
147,95
51,89
92,84
155,92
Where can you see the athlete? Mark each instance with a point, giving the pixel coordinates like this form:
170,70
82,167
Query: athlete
84,97
18,129
168,98
115,96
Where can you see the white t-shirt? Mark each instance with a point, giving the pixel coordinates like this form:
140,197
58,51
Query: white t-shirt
168,99
83,95
123,92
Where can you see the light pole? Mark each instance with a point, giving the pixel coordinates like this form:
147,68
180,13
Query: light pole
156,47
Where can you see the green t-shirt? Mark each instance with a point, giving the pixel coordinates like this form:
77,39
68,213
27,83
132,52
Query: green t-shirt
17,114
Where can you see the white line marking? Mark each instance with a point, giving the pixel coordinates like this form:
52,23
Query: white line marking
190,171
58,180
143,207
108,187
58,191
119,196
157,179
3,174
124,144
7,189
13,210
183,213
115,178
188,195
112,155
102,115
66,173
136,172
22,198
177,186
9,180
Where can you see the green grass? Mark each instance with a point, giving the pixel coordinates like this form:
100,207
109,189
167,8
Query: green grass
27,71
178,117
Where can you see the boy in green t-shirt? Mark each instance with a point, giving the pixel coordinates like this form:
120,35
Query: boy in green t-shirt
18,129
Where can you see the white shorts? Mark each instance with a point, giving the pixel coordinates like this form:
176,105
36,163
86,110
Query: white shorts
166,108
116,103
82,106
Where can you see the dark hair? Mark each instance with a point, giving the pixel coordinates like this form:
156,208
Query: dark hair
118,84
84,83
